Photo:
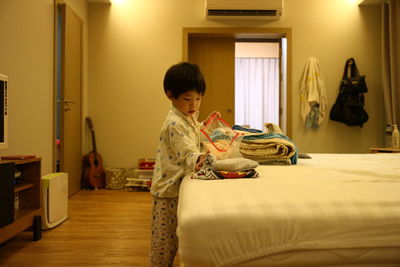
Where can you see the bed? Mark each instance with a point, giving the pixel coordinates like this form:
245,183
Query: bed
332,209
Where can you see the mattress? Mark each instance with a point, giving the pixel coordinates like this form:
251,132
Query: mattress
333,202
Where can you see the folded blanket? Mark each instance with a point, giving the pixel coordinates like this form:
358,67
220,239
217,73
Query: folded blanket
260,146
273,148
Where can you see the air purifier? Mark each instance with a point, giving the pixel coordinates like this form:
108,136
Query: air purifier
55,199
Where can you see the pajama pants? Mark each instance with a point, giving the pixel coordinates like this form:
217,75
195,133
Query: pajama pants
164,242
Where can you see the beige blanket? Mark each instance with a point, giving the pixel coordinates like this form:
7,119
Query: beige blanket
261,149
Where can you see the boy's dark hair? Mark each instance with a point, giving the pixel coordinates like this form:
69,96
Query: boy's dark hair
183,77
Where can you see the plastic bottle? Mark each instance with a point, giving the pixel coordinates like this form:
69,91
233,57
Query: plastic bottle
388,136
395,137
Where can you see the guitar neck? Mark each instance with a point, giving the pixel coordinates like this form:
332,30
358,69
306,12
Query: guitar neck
94,143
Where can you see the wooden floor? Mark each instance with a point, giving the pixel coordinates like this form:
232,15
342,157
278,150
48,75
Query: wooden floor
105,227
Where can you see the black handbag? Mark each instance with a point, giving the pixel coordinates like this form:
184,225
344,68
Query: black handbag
349,105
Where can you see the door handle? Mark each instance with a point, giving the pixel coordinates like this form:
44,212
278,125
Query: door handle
67,103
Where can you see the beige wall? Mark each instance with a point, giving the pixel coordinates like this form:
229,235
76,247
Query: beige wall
132,44
333,32
26,56
256,50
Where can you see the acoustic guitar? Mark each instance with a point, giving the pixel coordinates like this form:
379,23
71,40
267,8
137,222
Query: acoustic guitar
93,175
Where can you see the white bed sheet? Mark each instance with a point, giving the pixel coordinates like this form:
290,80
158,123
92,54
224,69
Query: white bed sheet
331,201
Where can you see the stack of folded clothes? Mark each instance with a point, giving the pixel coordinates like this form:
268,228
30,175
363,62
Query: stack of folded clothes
267,148
214,169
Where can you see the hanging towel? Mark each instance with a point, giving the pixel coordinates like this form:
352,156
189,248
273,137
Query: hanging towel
313,95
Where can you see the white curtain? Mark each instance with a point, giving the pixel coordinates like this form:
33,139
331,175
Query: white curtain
256,91
391,59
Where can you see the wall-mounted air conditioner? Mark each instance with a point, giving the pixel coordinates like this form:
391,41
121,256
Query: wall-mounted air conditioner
243,9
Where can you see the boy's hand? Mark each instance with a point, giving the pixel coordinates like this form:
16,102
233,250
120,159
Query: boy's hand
200,161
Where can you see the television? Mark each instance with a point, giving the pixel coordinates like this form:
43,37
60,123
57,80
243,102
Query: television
3,112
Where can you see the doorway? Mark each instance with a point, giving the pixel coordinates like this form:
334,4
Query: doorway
67,153
203,46
259,83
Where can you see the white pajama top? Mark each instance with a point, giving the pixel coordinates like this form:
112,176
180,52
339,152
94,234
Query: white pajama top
177,152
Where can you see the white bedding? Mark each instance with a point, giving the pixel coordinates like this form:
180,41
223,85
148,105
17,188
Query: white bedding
332,201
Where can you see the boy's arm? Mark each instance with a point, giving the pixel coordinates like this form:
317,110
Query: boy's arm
183,147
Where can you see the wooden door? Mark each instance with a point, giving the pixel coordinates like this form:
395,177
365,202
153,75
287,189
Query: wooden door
216,59
70,90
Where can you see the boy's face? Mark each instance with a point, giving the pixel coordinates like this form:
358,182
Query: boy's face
188,103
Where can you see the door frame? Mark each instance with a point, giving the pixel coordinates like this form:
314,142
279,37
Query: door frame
249,33
59,150
56,80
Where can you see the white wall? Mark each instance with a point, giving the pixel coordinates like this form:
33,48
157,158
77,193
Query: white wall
132,44
26,56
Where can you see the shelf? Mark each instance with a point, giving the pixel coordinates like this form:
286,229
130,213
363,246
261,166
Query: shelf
22,161
23,186
29,211
19,213
384,150
24,219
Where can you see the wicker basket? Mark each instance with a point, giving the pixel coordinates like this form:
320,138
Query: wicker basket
115,178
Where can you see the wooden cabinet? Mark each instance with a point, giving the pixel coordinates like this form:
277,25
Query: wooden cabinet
29,211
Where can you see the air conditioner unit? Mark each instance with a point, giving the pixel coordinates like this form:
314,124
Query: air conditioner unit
244,9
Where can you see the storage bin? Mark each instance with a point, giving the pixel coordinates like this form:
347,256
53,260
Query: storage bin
115,178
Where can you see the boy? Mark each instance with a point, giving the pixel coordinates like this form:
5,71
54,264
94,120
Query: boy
178,153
